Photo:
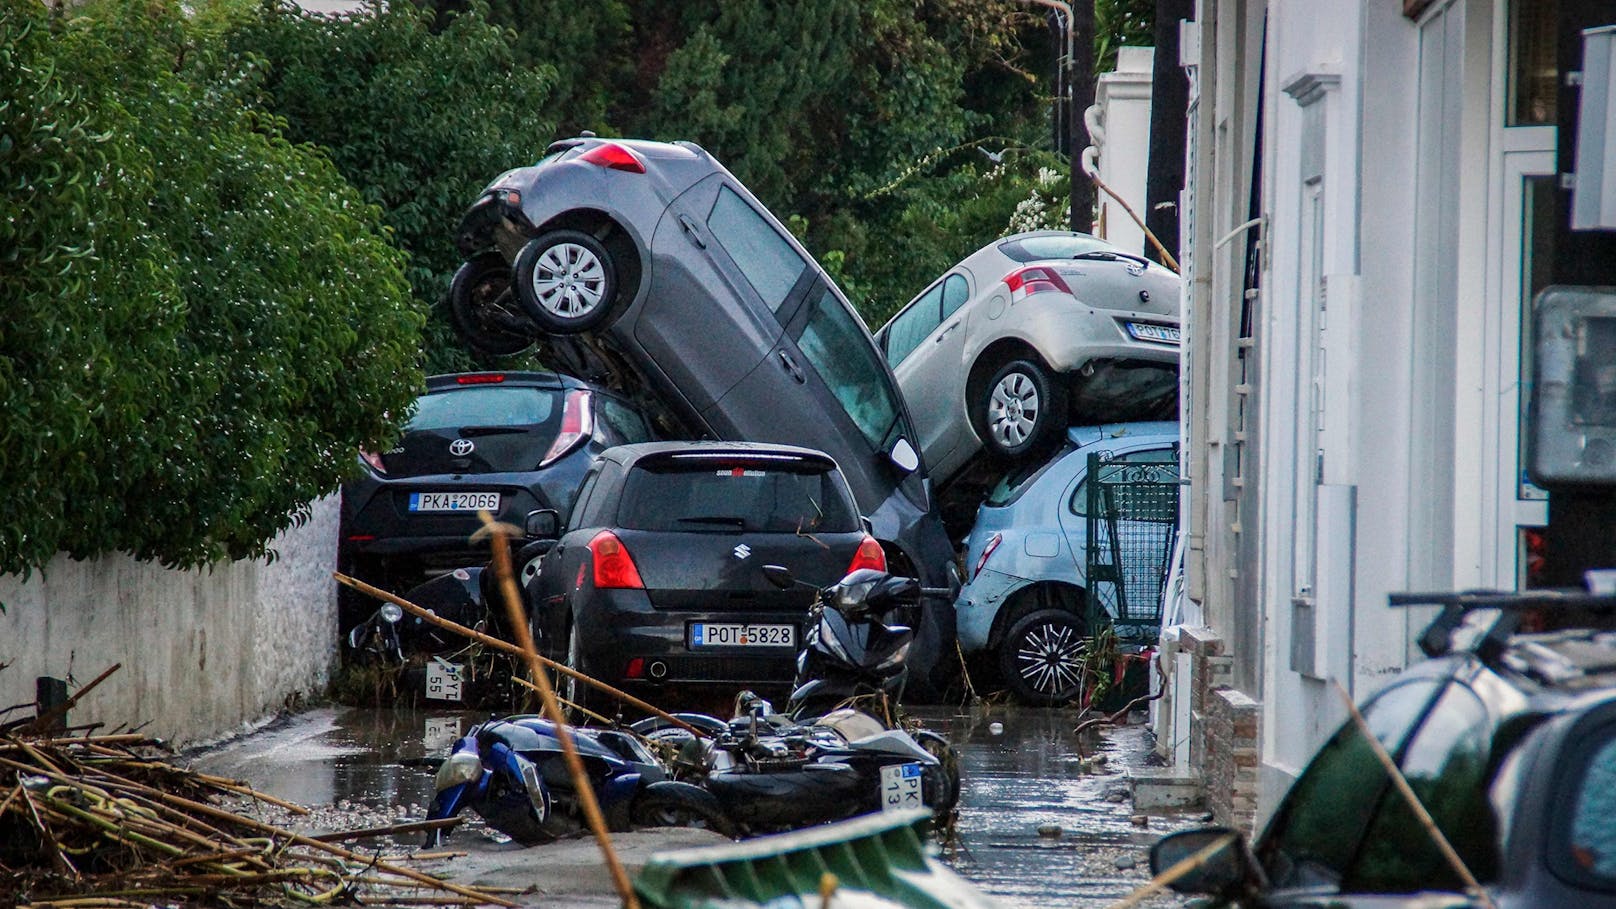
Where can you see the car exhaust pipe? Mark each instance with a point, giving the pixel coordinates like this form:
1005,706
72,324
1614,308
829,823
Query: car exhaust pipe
658,670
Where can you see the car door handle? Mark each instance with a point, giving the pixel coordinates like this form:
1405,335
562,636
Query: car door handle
944,333
792,368
690,228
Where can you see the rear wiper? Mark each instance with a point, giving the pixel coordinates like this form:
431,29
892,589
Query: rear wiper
492,430
729,520
1110,256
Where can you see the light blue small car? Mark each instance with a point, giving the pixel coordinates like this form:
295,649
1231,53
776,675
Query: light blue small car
1023,602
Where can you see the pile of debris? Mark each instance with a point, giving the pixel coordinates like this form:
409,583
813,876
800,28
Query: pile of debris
107,821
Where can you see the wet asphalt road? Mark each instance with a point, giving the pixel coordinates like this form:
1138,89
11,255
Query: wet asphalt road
360,767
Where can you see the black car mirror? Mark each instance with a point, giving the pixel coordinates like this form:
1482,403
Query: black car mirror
1219,858
542,524
780,576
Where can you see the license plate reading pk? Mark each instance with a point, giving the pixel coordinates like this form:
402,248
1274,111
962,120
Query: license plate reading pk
900,787
727,634
443,680
440,733
454,501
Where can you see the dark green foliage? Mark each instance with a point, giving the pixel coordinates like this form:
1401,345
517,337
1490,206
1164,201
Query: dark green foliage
202,321
418,120
1119,23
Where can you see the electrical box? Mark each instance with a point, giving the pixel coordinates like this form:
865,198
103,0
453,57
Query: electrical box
1573,418
1593,195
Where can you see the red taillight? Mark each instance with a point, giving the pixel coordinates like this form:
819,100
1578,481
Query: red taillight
635,669
577,424
1034,279
481,378
615,157
869,555
614,567
993,543
374,460
361,537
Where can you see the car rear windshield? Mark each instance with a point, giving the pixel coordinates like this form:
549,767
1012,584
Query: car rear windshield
485,405
1031,249
721,496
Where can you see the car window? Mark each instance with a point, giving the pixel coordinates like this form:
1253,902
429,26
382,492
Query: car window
955,292
1031,249
839,349
585,489
1446,766
624,421
1316,832
1589,848
716,497
769,263
484,405
1079,503
1019,479
911,326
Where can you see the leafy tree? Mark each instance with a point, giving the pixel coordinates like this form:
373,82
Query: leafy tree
203,321
419,120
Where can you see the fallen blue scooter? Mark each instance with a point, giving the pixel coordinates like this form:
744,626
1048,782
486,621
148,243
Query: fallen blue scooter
513,774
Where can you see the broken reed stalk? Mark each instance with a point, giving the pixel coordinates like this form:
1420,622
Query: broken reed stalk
371,832
583,788
41,722
1162,881
1166,257
566,703
486,640
1400,782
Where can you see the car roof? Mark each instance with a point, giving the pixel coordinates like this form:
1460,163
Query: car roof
630,455
1113,433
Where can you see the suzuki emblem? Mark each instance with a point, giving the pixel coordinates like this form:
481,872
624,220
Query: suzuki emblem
461,447
742,551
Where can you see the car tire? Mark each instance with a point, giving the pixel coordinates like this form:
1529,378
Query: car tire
579,693
1022,411
566,282
673,804
1041,657
483,309
948,757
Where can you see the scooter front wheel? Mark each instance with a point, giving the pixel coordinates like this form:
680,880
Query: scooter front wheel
672,804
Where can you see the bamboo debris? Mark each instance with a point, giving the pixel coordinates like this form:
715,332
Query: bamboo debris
99,822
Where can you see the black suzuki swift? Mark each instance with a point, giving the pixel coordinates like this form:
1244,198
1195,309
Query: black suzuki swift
658,579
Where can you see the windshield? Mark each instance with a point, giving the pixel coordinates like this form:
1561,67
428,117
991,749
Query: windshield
1054,246
840,350
719,497
484,405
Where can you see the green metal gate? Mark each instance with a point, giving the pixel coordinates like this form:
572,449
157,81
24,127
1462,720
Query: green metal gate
1132,514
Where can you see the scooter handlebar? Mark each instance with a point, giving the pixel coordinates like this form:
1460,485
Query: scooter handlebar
935,592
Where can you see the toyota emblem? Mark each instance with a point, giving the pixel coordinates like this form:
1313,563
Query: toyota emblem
461,447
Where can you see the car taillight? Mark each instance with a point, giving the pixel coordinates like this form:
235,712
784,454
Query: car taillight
869,555
614,567
577,424
635,668
374,460
1034,279
615,157
993,543
481,378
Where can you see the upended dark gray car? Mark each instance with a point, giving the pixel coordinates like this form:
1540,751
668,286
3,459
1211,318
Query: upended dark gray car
648,267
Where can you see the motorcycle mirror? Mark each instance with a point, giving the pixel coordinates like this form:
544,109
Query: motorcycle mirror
390,613
780,576
542,524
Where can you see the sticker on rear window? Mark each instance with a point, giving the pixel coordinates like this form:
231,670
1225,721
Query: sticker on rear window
740,472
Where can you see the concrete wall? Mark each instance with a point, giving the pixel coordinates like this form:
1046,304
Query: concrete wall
203,652
1123,99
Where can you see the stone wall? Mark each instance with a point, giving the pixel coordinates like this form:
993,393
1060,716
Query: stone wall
1224,745
204,653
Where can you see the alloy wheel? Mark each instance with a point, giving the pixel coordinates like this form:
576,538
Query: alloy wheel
1049,658
569,280
1013,410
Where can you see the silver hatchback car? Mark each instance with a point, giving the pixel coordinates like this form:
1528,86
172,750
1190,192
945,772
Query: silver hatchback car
1028,335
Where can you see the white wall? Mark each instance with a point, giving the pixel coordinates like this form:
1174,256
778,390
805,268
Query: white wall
1123,97
203,652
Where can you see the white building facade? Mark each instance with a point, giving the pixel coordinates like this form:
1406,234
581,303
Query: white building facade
1371,203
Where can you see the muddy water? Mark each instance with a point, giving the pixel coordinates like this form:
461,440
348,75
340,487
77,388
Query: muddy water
1025,773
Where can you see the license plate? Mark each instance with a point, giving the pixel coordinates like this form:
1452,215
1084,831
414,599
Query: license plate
1161,334
454,501
900,787
443,680
720,634
440,733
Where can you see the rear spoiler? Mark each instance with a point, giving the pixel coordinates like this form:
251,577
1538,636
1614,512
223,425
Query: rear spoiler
739,458
1574,606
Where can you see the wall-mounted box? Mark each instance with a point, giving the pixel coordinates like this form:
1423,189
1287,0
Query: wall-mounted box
1593,195
1573,425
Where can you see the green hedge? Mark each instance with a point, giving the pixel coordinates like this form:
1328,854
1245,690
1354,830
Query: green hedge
202,321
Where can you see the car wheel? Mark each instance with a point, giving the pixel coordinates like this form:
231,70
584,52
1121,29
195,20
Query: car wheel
580,694
679,805
1023,410
1042,655
566,281
483,310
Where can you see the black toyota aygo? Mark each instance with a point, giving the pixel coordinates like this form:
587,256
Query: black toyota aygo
1508,739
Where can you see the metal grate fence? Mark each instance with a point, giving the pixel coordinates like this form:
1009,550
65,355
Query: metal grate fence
1132,513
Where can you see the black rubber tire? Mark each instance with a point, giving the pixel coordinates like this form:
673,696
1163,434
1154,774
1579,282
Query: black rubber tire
1041,657
601,287
1028,391
483,310
670,804
579,693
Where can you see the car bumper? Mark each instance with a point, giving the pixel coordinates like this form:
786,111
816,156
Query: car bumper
978,605
621,627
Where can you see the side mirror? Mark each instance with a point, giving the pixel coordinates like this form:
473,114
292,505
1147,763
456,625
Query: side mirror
542,524
1224,862
780,576
904,455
